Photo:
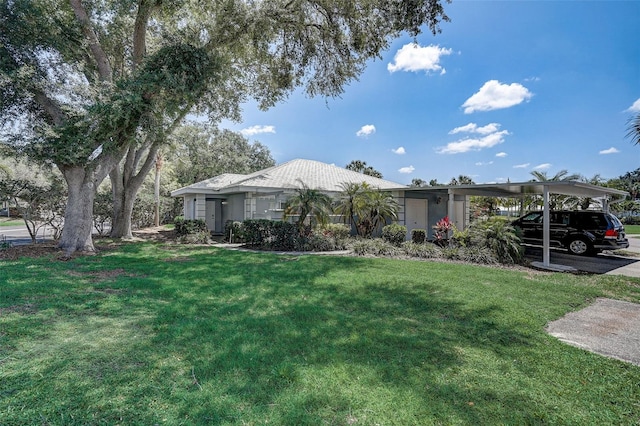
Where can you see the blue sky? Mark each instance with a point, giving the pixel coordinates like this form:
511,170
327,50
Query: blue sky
507,88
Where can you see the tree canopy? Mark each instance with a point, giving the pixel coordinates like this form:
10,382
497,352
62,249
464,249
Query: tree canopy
84,81
361,167
200,153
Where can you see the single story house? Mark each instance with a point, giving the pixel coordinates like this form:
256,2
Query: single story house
263,194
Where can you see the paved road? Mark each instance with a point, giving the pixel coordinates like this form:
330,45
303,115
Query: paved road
18,235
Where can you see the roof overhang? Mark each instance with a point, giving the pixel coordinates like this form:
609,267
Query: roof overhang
229,190
579,189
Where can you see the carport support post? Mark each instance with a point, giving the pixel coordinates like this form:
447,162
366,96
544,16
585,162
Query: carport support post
545,226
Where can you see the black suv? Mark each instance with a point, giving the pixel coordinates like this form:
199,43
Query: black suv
581,232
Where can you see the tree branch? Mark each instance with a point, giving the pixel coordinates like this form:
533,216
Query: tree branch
140,31
50,107
99,55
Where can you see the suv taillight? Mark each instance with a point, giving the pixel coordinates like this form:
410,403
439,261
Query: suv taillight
611,234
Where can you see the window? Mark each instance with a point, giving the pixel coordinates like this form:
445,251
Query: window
534,217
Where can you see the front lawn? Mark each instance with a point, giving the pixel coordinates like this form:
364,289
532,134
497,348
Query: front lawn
164,334
632,229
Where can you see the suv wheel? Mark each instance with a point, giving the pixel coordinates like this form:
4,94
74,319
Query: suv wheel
579,246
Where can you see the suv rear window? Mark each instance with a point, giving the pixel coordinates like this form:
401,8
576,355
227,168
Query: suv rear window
592,221
616,222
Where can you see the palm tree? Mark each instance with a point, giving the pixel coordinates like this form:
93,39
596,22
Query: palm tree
361,167
461,180
562,175
382,207
555,200
633,129
585,202
308,202
378,207
350,200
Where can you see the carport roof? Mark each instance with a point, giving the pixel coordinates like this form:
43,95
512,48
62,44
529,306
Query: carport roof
580,189
515,189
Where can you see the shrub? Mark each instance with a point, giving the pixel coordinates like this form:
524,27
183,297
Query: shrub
283,236
394,233
630,220
375,247
319,241
233,232
102,211
257,232
199,237
451,253
418,236
339,231
272,235
4,244
461,238
421,250
475,254
499,237
186,227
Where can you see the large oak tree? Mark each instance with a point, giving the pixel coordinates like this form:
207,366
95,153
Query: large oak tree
90,84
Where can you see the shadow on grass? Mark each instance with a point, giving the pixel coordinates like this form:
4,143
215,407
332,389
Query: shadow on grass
212,336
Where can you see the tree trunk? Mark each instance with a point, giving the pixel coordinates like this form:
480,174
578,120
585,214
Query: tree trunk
78,216
156,189
125,185
123,200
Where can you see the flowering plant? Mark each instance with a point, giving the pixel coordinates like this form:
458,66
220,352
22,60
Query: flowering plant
441,230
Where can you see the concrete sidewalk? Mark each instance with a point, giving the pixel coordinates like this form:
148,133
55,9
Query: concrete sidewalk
608,327
632,269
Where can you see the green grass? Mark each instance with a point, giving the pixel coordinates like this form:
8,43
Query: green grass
154,334
632,229
4,221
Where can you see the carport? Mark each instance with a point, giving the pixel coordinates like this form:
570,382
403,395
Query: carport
517,190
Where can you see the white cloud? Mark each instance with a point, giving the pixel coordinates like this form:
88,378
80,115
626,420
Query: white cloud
495,95
521,166
254,130
611,150
480,163
412,57
635,107
543,166
532,79
366,130
501,154
407,170
473,128
473,144
468,128
399,151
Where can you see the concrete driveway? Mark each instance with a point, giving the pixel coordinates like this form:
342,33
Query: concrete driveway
612,263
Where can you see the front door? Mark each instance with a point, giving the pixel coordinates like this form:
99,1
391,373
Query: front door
210,215
416,215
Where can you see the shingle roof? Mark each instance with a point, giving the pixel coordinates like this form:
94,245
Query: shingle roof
218,182
289,175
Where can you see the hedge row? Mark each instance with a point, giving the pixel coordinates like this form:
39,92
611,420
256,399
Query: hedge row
266,234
